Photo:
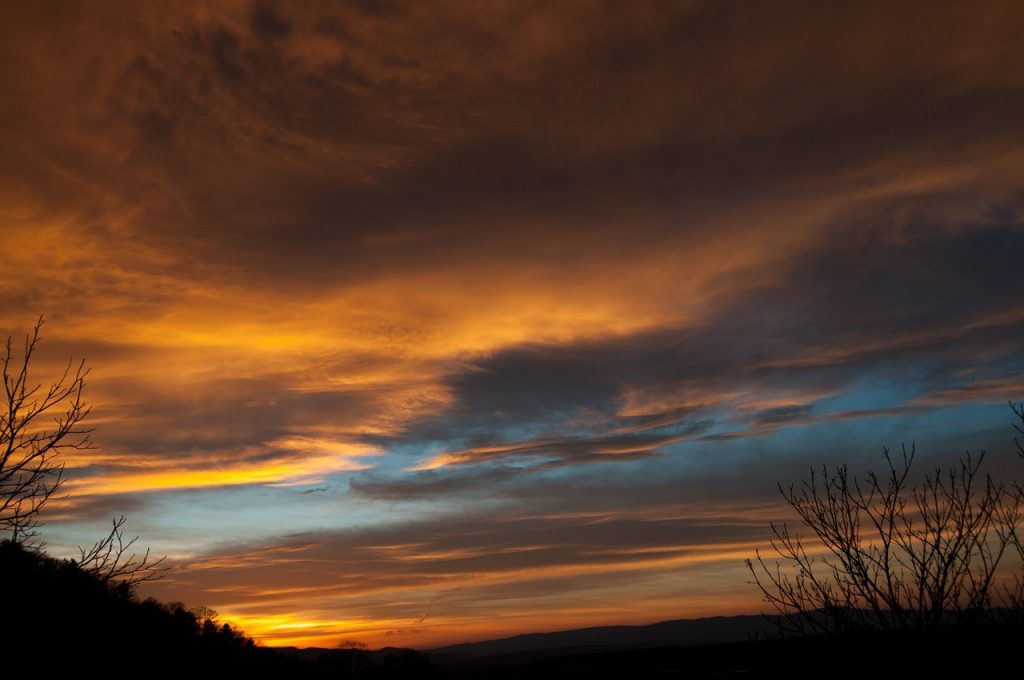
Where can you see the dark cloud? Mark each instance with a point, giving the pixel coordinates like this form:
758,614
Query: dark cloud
920,297
267,22
978,388
782,414
210,416
437,483
287,137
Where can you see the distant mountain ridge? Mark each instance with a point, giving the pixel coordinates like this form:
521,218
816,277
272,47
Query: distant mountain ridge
677,632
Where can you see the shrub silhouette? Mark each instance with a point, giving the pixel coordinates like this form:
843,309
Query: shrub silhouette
886,554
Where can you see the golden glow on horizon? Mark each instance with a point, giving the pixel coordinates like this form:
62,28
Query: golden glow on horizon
304,624
716,571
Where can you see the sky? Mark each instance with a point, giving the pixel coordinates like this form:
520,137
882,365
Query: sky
418,323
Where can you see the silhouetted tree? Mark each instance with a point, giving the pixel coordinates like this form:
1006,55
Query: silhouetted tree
1014,594
889,555
111,560
36,427
1018,409
204,613
353,657
30,467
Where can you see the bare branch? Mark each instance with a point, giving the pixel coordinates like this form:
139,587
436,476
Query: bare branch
111,561
887,555
1018,410
30,470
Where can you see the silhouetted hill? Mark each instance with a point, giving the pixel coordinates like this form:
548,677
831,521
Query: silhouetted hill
678,632
968,651
57,618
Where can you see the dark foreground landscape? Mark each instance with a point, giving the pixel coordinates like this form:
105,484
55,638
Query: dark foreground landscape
57,618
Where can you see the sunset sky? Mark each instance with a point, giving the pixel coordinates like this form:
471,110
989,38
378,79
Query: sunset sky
417,323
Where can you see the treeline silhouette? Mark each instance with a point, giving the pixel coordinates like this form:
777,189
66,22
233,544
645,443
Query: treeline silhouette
57,617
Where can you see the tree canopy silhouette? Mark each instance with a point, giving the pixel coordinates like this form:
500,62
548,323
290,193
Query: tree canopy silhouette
889,554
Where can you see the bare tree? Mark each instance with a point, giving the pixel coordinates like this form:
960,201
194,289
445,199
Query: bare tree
203,613
1018,410
887,555
31,471
1013,594
111,559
